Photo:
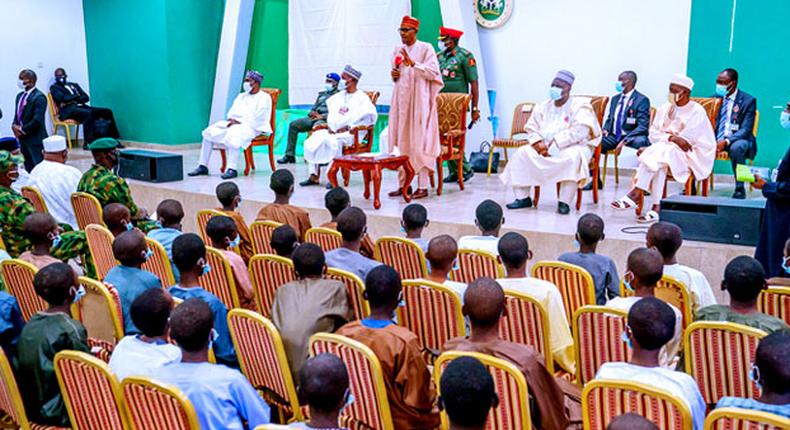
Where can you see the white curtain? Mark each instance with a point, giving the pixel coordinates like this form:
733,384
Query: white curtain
325,35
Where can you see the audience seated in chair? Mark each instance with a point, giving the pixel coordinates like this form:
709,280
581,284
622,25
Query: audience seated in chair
282,183
744,279
45,335
352,224
11,324
222,397
170,215
468,394
443,258
224,235
771,371
489,219
643,271
284,241
783,280
589,232
56,180
484,306
410,390
189,254
651,325
324,387
229,197
631,421
514,251
44,234
142,354
335,200
130,249
414,220
308,305
117,218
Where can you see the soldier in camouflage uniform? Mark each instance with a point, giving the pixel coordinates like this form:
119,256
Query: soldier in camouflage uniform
459,72
101,182
14,208
317,115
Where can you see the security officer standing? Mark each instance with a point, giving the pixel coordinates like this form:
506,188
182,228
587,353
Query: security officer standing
317,115
459,72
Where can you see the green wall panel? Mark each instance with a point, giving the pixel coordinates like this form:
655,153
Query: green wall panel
268,51
429,12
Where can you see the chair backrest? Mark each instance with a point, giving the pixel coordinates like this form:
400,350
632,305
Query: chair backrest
371,406
673,292
219,280
99,310
87,209
599,106
596,335
512,412
653,111
54,111
526,322
262,358
374,96
403,255
261,233
473,263
90,391
10,397
576,286
756,122
719,356
775,301
354,289
326,238
18,277
452,108
712,105
603,400
521,114
156,406
269,272
159,263
34,195
744,419
202,217
100,244
274,93
433,313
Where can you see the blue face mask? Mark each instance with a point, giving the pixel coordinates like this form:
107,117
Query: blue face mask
235,242
555,93
456,266
148,254
624,337
721,90
341,85
212,338
618,86
158,224
784,120
206,270
786,265
56,239
754,375
349,401
577,244
627,283
78,294
329,87
129,226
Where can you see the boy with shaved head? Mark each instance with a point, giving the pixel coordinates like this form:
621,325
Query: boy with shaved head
169,215
44,234
336,200
414,220
468,394
352,225
484,306
281,210
324,387
117,218
443,257
631,421
284,241
489,219
589,231
229,197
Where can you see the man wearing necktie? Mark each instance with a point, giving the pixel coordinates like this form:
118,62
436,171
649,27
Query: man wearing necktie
628,121
735,124
28,125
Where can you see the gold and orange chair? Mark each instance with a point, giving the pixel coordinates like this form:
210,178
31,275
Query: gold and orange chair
18,277
354,287
371,407
512,412
775,301
11,406
154,406
673,292
596,336
220,281
718,355
521,115
473,263
99,310
363,138
326,238
54,115
269,272
87,209
404,255
451,108
90,391
202,218
526,322
261,233
159,263
433,313
36,199
744,419
575,283
261,140
263,361
100,244
603,400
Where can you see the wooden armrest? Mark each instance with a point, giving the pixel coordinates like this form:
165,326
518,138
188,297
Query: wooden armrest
454,133
357,129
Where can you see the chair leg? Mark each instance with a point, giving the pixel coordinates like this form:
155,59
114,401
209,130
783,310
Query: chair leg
711,181
605,166
433,184
705,184
77,136
461,174
271,156
687,186
579,196
505,155
616,171
640,201
249,161
68,136
664,195
490,159
224,160
440,175
346,176
537,196
595,187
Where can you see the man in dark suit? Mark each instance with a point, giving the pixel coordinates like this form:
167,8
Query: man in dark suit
628,121
29,126
735,123
72,102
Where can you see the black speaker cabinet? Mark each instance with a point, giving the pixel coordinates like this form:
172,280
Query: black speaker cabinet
715,219
150,166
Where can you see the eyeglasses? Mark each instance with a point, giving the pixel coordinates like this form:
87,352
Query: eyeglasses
406,29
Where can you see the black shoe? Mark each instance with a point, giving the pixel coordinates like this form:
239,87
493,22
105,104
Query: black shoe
589,186
329,186
229,174
120,145
520,203
200,170
450,178
288,159
469,176
563,208
85,146
739,194
308,182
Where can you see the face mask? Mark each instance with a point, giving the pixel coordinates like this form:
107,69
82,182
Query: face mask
239,201
555,93
235,242
55,238
60,79
13,175
341,85
158,224
786,265
212,337
329,87
442,46
79,292
754,375
129,226
206,270
21,84
456,266
247,87
627,283
577,244
349,401
784,120
624,337
148,254
618,86
721,90
673,99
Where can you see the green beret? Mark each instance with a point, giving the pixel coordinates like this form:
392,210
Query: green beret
103,144
7,160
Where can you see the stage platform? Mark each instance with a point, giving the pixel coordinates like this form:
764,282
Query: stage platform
549,233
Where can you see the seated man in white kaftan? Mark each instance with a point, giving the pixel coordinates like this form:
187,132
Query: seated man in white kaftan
346,110
248,117
562,134
681,142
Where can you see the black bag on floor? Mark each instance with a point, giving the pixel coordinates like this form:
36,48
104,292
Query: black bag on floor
478,160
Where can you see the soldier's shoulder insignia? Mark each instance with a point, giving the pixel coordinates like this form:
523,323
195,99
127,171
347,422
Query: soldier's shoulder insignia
472,61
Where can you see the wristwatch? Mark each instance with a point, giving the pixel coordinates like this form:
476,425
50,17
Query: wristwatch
475,109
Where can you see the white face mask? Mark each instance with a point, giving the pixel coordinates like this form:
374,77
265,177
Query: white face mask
247,87
442,46
673,98
21,84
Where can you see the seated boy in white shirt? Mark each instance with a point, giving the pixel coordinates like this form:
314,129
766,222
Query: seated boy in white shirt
489,219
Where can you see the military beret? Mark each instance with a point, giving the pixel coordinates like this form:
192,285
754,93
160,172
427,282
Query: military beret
9,144
103,144
7,160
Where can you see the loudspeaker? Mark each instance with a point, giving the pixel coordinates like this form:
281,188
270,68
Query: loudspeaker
715,219
150,166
